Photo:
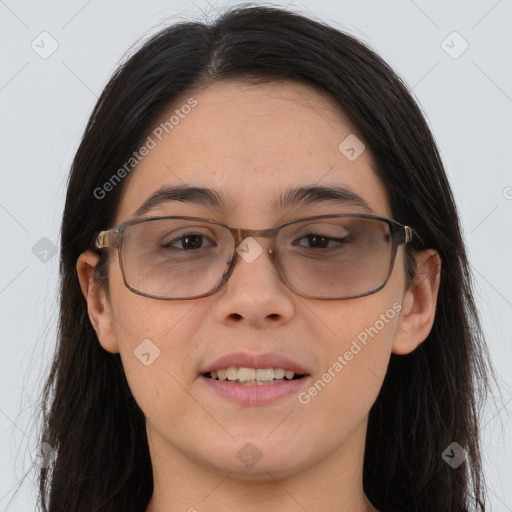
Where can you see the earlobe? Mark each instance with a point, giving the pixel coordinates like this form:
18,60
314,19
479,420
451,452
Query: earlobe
98,305
419,304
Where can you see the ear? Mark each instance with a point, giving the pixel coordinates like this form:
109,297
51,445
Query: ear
98,304
419,304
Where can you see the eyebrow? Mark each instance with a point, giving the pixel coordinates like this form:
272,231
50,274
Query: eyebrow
297,196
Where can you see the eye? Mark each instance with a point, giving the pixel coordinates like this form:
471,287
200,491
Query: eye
188,241
319,241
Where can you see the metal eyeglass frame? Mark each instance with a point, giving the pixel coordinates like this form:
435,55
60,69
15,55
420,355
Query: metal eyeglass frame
113,238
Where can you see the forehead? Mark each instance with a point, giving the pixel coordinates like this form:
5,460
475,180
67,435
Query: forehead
252,143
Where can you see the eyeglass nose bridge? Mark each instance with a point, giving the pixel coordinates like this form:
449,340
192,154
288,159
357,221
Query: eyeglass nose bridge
240,234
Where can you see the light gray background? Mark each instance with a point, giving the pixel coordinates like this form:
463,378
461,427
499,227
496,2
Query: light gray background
45,104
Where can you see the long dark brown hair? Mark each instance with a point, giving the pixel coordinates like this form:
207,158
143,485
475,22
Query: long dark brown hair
429,398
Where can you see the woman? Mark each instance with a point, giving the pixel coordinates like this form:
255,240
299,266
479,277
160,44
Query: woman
327,355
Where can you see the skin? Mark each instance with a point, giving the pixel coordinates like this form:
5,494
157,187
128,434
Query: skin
251,142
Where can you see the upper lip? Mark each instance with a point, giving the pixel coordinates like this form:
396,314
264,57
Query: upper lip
246,360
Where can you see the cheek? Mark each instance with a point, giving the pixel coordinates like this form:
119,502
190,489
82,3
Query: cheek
156,345
158,372
354,361
137,318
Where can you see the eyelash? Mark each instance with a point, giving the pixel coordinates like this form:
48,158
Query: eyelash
330,239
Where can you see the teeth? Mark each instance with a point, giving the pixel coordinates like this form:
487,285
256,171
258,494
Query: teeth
265,374
249,375
279,373
231,373
245,374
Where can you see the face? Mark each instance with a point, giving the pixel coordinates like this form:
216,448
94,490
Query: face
251,143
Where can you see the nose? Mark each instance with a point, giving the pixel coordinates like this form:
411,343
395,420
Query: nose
255,291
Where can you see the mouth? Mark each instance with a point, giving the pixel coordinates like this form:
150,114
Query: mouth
253,376
254,379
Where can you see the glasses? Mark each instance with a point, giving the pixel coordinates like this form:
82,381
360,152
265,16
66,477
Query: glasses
322,257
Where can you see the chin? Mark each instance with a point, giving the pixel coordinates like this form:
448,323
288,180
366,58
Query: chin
262,471
256,458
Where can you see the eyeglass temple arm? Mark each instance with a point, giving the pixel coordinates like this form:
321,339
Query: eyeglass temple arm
409,234
109,238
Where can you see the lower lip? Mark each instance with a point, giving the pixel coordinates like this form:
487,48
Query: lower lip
255,394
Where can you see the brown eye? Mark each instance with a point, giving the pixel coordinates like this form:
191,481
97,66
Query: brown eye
188,241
